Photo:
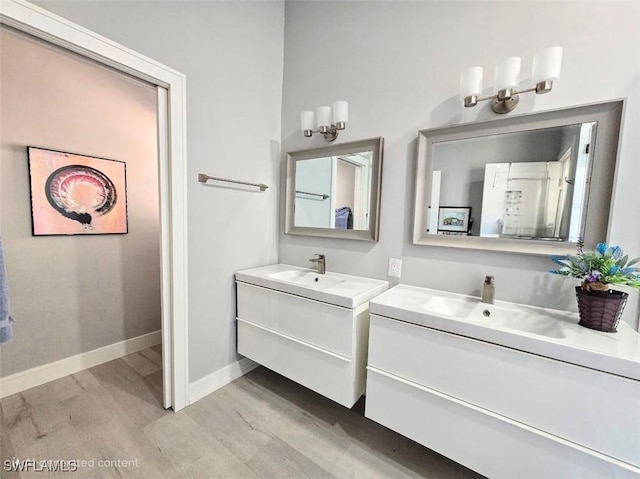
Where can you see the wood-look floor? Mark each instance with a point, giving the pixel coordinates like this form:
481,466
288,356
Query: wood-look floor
260,426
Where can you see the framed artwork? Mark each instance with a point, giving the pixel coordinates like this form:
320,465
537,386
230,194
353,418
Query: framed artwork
454,219
76,194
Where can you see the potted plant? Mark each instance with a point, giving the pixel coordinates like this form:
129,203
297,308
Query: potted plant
600,308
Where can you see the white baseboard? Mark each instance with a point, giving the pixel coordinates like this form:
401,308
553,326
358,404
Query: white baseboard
24,380
219,378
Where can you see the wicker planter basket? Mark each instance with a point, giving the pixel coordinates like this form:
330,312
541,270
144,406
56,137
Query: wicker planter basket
600,310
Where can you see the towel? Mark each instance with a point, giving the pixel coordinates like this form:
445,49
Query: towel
6,330
344,218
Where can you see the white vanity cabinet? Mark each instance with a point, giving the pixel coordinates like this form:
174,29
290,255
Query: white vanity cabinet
501,411
293,327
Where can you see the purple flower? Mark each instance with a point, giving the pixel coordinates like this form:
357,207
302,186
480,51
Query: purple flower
593,277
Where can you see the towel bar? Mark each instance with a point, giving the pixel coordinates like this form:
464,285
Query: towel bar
202,178
324,197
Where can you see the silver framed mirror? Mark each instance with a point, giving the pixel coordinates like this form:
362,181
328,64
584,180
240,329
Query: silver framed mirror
334,191
530,184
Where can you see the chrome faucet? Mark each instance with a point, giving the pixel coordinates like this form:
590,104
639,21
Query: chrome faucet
320,263
488,289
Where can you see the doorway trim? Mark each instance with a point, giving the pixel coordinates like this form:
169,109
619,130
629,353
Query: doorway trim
40,23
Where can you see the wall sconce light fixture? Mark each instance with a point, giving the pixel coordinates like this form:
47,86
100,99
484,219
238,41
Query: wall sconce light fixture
546,69
325,120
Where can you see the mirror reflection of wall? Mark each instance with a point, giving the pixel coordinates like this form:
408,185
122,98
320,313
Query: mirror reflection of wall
334,191
345,184
528,184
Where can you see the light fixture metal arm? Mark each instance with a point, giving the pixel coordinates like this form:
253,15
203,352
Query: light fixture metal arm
330,132
507,99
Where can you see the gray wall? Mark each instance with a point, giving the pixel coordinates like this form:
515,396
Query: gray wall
73,294
231,53
398,65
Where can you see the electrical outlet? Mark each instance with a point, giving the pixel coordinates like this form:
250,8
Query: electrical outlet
395,267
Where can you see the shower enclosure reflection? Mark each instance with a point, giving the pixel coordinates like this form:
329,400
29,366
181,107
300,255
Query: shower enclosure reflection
526,185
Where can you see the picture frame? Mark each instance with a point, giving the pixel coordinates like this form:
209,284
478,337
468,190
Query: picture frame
454,219
73,194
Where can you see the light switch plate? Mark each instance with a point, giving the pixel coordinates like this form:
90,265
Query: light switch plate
395,267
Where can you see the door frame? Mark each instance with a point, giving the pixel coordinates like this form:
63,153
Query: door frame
43,24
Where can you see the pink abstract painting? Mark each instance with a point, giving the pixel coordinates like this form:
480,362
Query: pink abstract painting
76,195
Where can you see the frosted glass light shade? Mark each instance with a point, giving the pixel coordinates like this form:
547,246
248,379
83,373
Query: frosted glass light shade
507,73
323,115
547,64
340,111
471,82
307,120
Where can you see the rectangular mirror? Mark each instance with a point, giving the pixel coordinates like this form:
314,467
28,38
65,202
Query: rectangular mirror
335,191
530,183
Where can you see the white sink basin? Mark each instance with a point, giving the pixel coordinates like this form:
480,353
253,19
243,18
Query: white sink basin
502,315
545,332
308,278
531,323
450,306
334,288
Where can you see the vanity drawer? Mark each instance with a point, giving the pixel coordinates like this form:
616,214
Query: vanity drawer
327,326
581,405
326,373
483,441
